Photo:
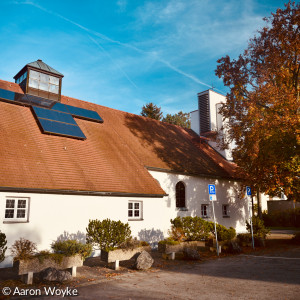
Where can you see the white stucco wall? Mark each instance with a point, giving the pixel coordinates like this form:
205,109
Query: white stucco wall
197,194
214,100
54,216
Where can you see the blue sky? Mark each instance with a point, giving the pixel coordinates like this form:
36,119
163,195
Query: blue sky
126,53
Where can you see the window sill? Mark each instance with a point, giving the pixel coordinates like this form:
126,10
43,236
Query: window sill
226,216
181,208
14,222
205,217
135,219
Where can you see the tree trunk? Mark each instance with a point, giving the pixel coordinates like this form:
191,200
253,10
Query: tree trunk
259,213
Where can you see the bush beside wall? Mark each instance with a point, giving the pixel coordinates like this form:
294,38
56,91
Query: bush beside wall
286,218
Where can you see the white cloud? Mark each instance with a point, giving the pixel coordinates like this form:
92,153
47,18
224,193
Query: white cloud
167,11
190,27
122,5
169,53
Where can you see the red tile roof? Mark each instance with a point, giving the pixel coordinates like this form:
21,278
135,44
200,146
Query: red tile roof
112,159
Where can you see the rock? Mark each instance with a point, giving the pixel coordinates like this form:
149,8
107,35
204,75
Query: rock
52,274
234,247
191,253
144,261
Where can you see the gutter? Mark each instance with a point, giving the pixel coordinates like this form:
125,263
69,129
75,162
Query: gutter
74,192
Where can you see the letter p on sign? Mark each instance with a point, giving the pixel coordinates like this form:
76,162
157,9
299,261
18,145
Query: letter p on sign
211,189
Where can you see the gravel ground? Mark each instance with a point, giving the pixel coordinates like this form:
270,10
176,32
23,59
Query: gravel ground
266,273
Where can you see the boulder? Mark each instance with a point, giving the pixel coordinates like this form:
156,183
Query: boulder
191,253
52,274
144,261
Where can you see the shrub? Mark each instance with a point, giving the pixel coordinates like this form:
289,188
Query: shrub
3,247
224,234
286,218
144,243
107,234
46,254
132,243
296,238
194,228
168,242
259,228
176,234
244,238
198,229
72,247
23,249
247,238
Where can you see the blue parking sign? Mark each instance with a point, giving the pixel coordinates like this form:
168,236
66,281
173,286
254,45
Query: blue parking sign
211,189
248,189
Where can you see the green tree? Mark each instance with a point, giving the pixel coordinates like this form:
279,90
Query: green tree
150,110
181,119
262,105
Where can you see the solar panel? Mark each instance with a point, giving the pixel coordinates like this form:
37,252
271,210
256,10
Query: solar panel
25,99
84,113
58,123
39,101
53,115
7,95
59,107
59,128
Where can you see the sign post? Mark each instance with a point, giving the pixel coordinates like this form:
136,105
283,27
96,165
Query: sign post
249,193
212,198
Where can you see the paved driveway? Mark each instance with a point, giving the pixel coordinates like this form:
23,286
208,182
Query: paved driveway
275,276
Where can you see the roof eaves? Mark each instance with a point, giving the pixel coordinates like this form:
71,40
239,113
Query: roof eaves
77,192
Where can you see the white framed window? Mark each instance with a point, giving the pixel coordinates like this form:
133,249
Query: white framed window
16,209
43,82
135,210
204,210
225,211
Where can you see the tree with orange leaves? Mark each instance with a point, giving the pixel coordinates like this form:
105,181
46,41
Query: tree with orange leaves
262,106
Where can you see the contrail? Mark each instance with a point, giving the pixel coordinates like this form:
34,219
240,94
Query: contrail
183,73
102,36
109,56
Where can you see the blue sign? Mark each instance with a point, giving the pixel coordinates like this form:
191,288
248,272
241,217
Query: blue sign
248,189
211,189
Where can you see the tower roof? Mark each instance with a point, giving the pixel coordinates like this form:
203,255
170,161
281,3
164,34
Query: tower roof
40,65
